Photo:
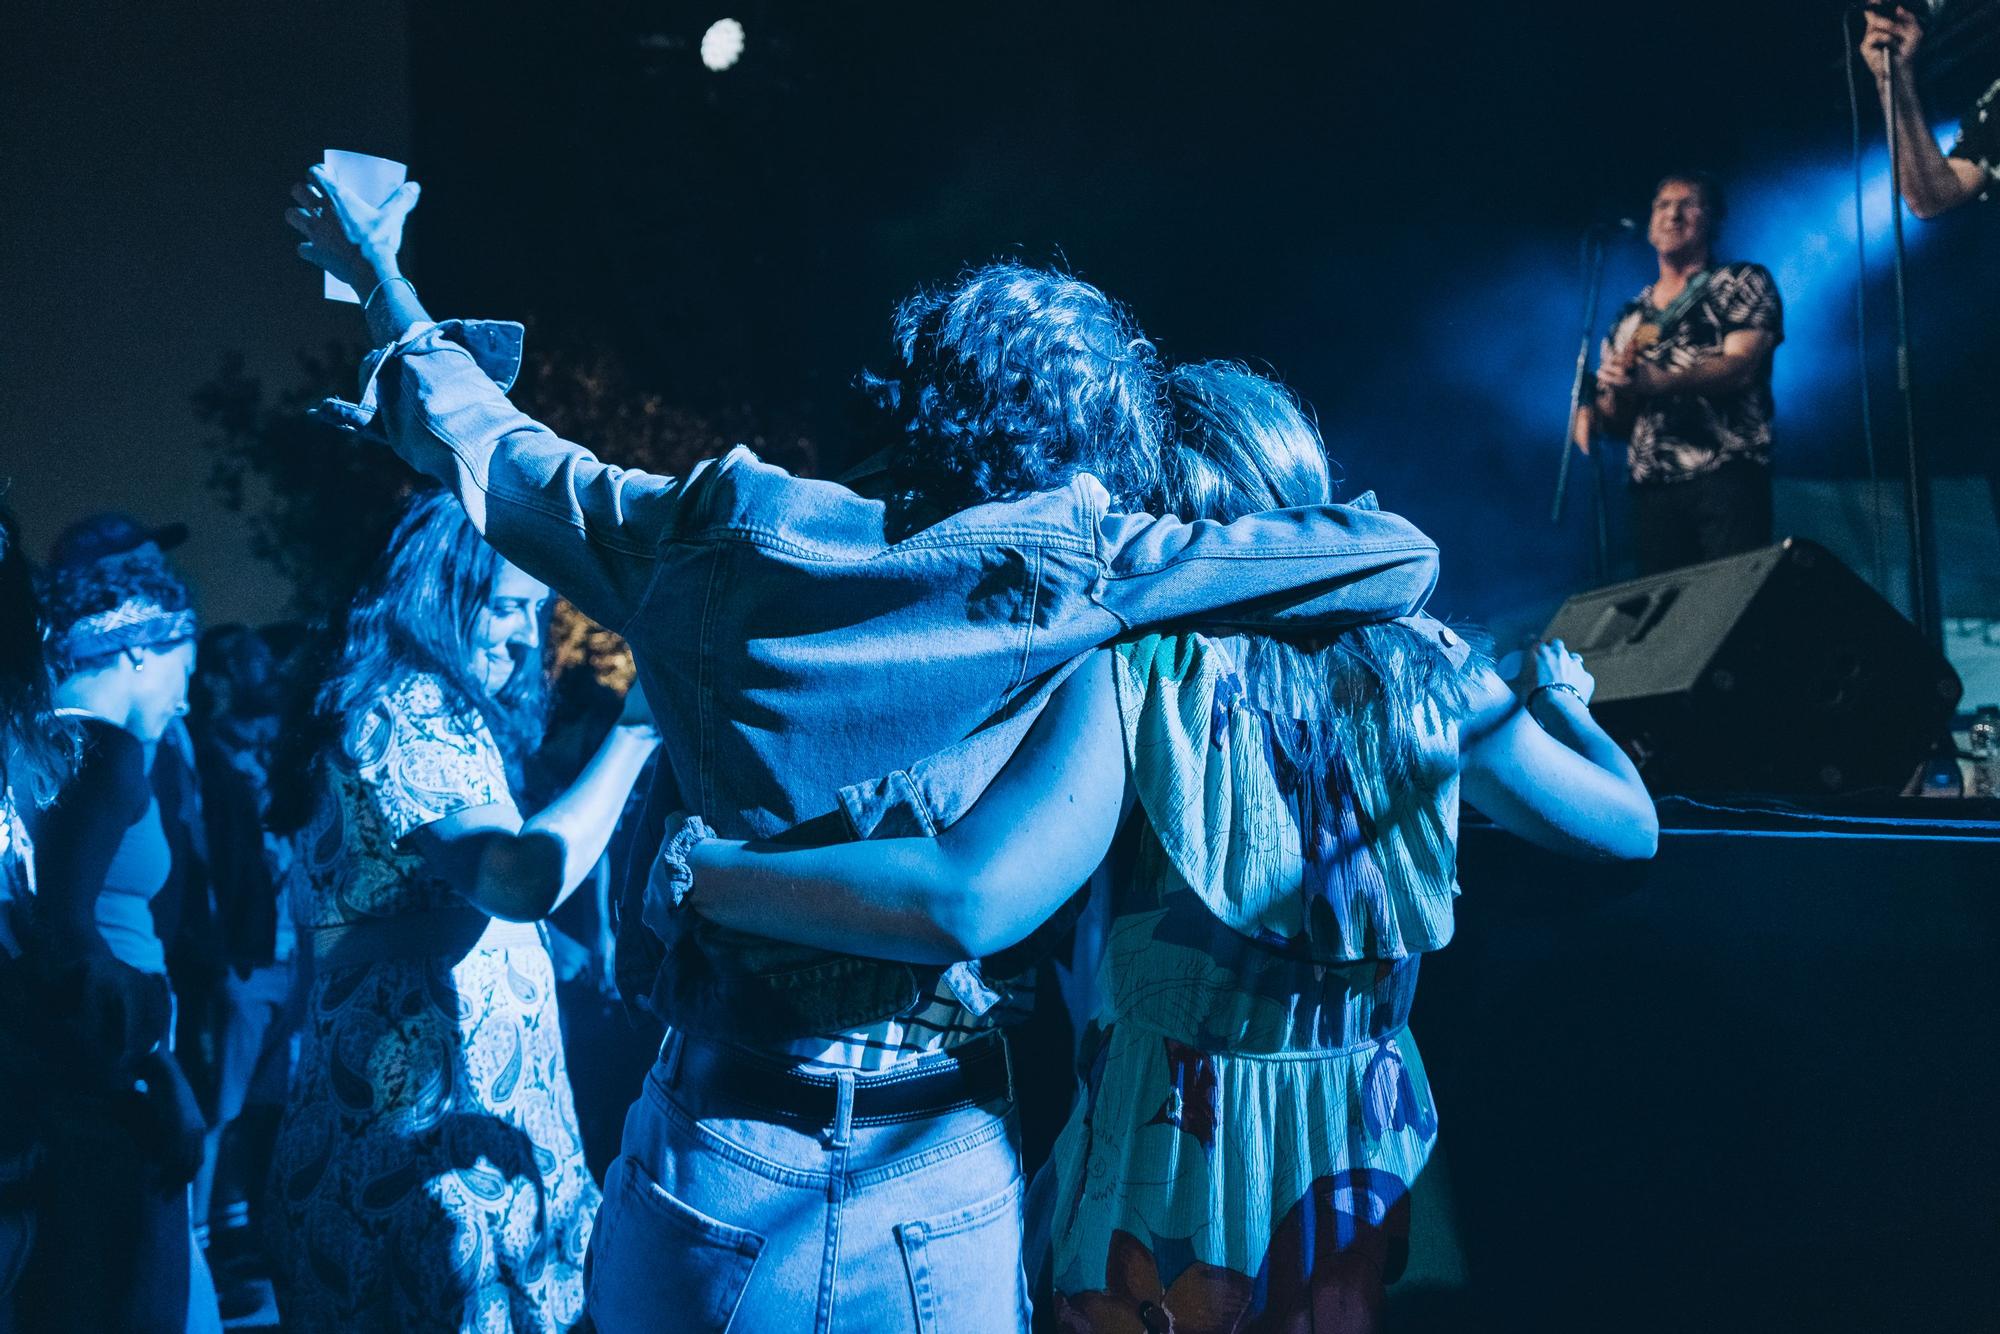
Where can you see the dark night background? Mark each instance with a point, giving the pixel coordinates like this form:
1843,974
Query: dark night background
1729,1089
1382,205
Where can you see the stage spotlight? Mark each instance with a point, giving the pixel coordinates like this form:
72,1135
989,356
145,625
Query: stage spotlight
722,44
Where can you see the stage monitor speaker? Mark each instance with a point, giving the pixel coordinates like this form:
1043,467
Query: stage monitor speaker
1778,670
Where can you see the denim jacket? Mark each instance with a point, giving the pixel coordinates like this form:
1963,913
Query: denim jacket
805,666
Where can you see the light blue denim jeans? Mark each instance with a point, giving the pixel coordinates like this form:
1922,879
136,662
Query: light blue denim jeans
716,1218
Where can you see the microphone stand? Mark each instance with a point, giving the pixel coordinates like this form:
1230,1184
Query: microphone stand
1939,773
1593,252
1923,582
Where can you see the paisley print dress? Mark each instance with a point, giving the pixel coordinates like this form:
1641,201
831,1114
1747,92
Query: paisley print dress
1255,1111
429,1174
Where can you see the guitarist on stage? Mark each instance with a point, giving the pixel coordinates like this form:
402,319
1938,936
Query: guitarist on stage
1686,373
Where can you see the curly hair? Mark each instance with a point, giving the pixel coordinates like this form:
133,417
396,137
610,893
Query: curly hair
1013,380
414,614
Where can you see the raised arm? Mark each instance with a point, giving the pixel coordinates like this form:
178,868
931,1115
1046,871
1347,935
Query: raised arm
981,885
1540,767
438,392
362,246
1931,182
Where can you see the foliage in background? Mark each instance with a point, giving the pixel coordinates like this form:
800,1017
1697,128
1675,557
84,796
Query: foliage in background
585,396
320,505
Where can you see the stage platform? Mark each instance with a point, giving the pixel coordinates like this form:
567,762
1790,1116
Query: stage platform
1750,1085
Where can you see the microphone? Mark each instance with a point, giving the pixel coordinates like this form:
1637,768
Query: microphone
1617,225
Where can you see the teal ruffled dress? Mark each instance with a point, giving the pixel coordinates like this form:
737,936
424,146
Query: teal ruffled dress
1255,1111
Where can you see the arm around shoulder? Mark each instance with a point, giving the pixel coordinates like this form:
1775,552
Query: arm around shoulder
1315,567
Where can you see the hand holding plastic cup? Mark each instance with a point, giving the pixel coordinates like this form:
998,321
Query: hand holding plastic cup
370,179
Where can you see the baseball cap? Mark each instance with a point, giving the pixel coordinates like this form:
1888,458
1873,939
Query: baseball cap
111,533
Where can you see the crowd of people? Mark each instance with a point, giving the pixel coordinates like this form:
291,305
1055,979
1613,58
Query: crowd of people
1082,695
972,718
156,899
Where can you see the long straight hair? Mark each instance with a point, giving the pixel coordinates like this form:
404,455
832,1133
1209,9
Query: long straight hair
1358,707
414,615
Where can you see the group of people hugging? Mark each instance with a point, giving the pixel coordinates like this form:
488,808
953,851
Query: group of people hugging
1085,667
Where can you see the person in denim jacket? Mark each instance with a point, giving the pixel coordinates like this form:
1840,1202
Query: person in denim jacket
828,665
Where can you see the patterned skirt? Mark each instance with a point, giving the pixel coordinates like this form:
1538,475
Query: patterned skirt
429,1174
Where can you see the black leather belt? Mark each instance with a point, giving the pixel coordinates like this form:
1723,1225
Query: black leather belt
965,1076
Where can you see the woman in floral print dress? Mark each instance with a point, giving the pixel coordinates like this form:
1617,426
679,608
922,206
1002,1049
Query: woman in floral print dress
1254,1110
429,1174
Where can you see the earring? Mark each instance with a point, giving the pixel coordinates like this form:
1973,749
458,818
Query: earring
138,664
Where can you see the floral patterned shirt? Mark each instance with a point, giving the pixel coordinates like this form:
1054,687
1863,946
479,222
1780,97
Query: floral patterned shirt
1979,137
408,762
1677,437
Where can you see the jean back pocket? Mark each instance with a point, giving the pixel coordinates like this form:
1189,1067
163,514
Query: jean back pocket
656,1263
965,1266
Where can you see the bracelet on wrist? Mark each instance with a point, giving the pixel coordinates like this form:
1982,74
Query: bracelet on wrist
377,289
1529,702
672,877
